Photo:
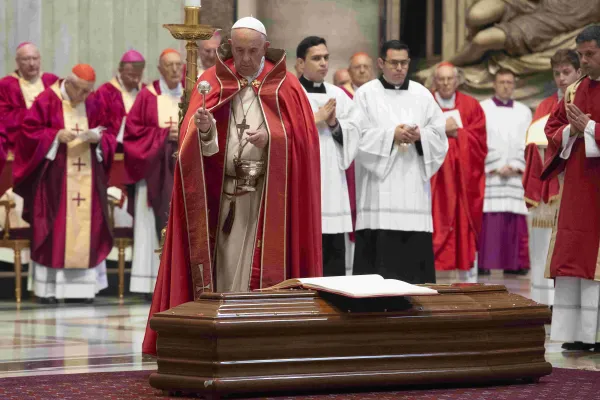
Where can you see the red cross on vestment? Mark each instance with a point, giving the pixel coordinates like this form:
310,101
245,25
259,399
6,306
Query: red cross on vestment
77,129
78,199
79,164
170,122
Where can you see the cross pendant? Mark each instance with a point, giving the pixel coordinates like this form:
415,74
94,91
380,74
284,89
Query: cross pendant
242,128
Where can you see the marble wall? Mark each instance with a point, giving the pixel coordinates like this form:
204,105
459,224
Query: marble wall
349,26
95,31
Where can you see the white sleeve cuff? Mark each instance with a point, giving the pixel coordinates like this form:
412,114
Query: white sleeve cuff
567,142
121,131
210,147
51,155
591,146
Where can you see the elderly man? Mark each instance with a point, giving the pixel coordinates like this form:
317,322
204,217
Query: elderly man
19,89
341,77
149,142
573,133
458,187
119,93
61,167
245,211
361,72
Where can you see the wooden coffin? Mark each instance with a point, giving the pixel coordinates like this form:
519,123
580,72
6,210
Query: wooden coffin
290,341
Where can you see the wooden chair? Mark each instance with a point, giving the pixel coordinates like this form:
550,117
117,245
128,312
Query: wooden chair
16,239
122,238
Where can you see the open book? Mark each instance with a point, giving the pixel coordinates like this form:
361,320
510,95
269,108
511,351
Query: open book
356,286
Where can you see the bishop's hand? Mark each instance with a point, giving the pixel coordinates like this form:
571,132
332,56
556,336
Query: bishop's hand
258,137
451,127
203,120
66,136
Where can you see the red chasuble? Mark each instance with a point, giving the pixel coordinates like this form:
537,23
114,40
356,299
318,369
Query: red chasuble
45,185
289,230
148,151
458,190
3,147
575,244
14,102
536,190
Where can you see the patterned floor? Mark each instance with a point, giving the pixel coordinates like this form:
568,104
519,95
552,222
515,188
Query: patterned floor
107,336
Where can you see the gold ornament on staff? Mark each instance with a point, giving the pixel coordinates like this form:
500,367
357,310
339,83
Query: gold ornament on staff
191,31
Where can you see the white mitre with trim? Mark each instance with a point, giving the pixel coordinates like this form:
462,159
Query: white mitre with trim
250,23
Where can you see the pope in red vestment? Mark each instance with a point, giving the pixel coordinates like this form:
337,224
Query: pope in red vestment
19,89
458,187
288,234
46,182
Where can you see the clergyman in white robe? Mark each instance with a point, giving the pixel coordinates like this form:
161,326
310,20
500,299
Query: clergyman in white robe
338,149
394,222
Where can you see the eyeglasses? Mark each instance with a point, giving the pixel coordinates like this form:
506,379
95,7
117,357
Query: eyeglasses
398,63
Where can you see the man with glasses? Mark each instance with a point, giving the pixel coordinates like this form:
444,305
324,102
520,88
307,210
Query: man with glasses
149,142
61,166
459,185
403,145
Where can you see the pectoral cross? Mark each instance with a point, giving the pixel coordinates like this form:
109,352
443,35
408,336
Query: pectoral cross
242,128
170,122
78,199
77,130
79,164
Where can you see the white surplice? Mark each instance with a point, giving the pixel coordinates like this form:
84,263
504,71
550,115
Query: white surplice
393,182
335,159
145,261
506,133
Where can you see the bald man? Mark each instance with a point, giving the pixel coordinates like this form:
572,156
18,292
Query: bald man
458,187
341,77
19,89
61,166
361,72
149,142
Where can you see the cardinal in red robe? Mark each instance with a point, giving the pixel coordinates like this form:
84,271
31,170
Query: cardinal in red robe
62,159
458,187
259,110
19,89
573,133
149,144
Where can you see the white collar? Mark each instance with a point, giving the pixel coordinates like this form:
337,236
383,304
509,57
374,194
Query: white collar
251,78
560,94
164,88
63,92
446,103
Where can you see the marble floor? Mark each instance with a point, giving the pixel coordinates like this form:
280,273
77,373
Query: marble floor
107,336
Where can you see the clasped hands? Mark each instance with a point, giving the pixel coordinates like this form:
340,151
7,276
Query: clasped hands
406,134
577,119
507,171
203,121
327,113
89,136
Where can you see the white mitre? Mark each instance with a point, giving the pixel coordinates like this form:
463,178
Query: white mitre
250,23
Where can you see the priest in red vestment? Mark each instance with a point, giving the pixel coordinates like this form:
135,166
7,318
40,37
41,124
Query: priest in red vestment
573,133
62,160
229,230
459,185
19,89
149,143
541,197
119,93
